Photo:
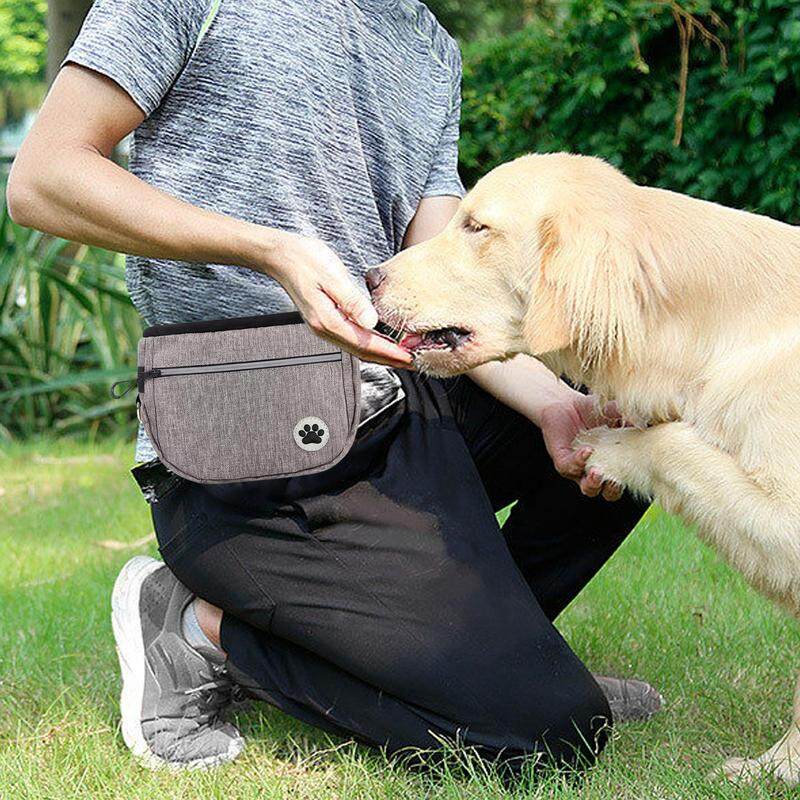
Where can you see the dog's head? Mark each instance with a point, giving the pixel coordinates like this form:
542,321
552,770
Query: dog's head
543,255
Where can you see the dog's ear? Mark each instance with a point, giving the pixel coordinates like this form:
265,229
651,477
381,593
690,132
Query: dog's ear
546,328
592,282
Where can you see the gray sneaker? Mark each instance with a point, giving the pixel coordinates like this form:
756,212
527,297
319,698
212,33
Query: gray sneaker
172,697
630,700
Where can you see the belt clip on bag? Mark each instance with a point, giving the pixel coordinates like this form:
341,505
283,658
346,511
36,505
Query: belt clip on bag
246,399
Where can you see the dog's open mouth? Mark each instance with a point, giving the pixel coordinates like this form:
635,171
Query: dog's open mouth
450,338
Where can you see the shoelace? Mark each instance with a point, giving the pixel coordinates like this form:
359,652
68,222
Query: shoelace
214,695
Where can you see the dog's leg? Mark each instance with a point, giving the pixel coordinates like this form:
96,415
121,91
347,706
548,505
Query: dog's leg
756,530
782,759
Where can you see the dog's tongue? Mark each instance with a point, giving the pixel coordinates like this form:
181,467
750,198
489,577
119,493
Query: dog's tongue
411,340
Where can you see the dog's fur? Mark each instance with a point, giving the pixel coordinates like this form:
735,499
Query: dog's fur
685,312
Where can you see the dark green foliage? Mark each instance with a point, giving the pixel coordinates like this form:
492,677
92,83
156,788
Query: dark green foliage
23,39
604,80
482,18
67,332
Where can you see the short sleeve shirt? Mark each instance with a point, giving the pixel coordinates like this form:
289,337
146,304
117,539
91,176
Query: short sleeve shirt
327,118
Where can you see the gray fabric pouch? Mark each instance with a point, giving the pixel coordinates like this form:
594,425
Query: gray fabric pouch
246,399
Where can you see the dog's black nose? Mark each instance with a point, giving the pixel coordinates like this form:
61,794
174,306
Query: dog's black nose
374,278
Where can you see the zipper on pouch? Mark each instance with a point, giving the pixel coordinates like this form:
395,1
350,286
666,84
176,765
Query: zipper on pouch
234,366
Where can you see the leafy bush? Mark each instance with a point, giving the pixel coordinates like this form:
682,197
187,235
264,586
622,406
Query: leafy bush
604,79
67,331
23,39
475,19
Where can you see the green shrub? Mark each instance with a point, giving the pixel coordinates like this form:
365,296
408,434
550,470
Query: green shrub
476,19
604,80
67,331
23,39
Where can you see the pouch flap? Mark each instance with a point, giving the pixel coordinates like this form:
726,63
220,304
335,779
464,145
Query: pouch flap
241,400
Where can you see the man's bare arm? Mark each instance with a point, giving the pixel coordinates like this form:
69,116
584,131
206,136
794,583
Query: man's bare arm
64,182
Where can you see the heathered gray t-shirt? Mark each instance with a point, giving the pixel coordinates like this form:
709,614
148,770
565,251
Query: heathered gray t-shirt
328,118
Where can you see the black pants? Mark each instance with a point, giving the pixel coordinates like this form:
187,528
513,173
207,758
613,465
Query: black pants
381,601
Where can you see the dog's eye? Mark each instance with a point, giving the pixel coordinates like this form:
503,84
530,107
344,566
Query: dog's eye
474,226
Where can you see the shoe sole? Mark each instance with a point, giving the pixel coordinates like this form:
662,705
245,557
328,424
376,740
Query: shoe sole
127,624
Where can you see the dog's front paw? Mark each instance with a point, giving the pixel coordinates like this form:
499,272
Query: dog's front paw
616,454
595,438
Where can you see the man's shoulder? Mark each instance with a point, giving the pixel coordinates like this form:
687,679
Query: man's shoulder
444,47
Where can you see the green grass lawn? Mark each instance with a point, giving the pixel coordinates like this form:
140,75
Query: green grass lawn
664,609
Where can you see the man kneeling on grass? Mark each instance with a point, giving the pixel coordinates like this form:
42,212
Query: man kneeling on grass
281,149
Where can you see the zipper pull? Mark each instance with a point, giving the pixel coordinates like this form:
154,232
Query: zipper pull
117,395
141,377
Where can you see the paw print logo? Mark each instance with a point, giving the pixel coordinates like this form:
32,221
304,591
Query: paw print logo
311,433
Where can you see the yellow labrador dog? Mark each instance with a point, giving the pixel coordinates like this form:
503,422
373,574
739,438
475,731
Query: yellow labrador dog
685,312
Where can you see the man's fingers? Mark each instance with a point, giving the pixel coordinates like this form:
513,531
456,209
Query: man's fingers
572,463
365,344
592,483
349,319
355,305
612,491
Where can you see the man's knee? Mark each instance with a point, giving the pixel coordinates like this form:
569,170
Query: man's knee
563,721
579,725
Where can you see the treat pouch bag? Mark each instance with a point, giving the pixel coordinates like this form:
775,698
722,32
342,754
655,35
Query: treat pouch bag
246,399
